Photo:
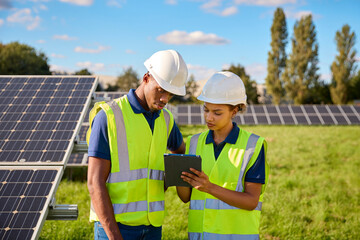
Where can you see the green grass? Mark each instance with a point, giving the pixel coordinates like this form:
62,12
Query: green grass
313,191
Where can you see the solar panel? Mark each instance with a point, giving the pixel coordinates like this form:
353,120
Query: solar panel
288,119
195,109
182,109
341,120
328,120
249,119
314,119
25,193
262,119
284,109
183,120
258,109
309,109
40,117
354,119
271,109
196,120
275,119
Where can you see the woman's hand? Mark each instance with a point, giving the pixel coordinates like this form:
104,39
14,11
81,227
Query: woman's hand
200,181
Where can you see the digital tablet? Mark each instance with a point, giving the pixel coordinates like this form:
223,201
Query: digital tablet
175,164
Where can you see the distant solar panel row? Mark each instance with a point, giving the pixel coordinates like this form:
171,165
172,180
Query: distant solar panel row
280,115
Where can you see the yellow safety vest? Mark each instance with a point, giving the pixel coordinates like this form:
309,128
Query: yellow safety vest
211,218
136,179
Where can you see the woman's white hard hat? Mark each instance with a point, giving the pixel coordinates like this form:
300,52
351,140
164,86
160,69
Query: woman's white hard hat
224,88
169,70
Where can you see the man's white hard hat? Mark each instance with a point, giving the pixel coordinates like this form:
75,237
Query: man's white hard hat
169,70
224,88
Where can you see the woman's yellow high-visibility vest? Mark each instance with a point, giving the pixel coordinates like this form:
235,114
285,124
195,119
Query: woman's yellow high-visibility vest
211,218
136,179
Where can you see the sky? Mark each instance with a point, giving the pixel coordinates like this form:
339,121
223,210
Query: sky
109,36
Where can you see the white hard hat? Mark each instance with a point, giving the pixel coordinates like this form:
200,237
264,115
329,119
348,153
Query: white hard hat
169,70
224,88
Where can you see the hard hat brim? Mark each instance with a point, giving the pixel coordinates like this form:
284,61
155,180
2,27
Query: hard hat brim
222,101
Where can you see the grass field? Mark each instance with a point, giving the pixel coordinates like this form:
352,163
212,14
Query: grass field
313,191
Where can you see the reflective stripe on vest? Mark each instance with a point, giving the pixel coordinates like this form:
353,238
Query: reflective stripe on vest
125,173
215,236
193,144
215,204
138,206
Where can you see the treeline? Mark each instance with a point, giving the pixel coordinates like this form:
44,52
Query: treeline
294,78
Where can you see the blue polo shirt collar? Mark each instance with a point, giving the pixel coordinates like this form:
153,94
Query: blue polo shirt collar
231,138
136,106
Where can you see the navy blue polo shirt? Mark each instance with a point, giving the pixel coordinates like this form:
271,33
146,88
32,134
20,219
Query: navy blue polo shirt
99,142
256,173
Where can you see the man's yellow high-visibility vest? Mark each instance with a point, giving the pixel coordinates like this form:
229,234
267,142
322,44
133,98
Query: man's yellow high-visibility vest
136,179
211,218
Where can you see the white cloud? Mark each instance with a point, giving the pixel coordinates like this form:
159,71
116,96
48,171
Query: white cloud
357,59
171,2
229,11
297,15
43,7
41,41
129,51
200,72
256,71
24,16
64,37
264,2
54,55
183,38
92,67
87,50
79,2
60,69
1,22
116,3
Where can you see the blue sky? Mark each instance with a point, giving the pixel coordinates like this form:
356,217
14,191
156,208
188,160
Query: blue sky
110,35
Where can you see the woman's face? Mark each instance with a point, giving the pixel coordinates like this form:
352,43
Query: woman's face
218,116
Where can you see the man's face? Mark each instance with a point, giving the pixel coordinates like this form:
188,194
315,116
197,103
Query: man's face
156,97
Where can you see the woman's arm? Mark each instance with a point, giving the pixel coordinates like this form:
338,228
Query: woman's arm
245,200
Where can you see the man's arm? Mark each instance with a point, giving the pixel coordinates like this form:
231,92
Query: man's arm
98,171
180,150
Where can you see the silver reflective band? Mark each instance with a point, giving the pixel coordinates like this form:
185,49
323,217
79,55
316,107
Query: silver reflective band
216,204
129,175
249,151
194,236
130,207
193,144
197,204
167,121
156,206
123,153
215,236
156,174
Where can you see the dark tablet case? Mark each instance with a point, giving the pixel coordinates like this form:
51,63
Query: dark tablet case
175,164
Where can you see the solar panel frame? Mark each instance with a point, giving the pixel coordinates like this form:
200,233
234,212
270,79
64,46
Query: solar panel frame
62,125
44,208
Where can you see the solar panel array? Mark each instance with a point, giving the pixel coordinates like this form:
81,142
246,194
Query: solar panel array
279,115
41,116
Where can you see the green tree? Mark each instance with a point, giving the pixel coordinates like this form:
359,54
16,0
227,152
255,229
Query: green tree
277,56
319,93
84,71
343,66
191,87
128,80
21,59
250,85
301,67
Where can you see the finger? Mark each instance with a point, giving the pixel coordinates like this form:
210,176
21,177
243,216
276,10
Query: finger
195,171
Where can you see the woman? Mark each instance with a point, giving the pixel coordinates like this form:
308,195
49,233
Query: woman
226,198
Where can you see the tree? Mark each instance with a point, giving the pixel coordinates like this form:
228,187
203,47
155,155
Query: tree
128,80
84,71
343,67
277,56
250,85
191,88
21,59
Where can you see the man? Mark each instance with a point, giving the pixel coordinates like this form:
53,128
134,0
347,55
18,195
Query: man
127,139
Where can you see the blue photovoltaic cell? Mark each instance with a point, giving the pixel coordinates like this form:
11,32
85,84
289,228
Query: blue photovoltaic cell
182,109
297,110
334,109
183,120
284,109
258,109
347,109
314,119
237,120
248,119
301,119
341,120
288,119
321,109
262,119
196,119
271,109
275,119
328,119
353,119
195,109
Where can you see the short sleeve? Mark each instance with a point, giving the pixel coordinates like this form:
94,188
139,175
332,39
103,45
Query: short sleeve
256,173
175,138
99,142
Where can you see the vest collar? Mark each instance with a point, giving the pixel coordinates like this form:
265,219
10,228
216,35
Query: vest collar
231,138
